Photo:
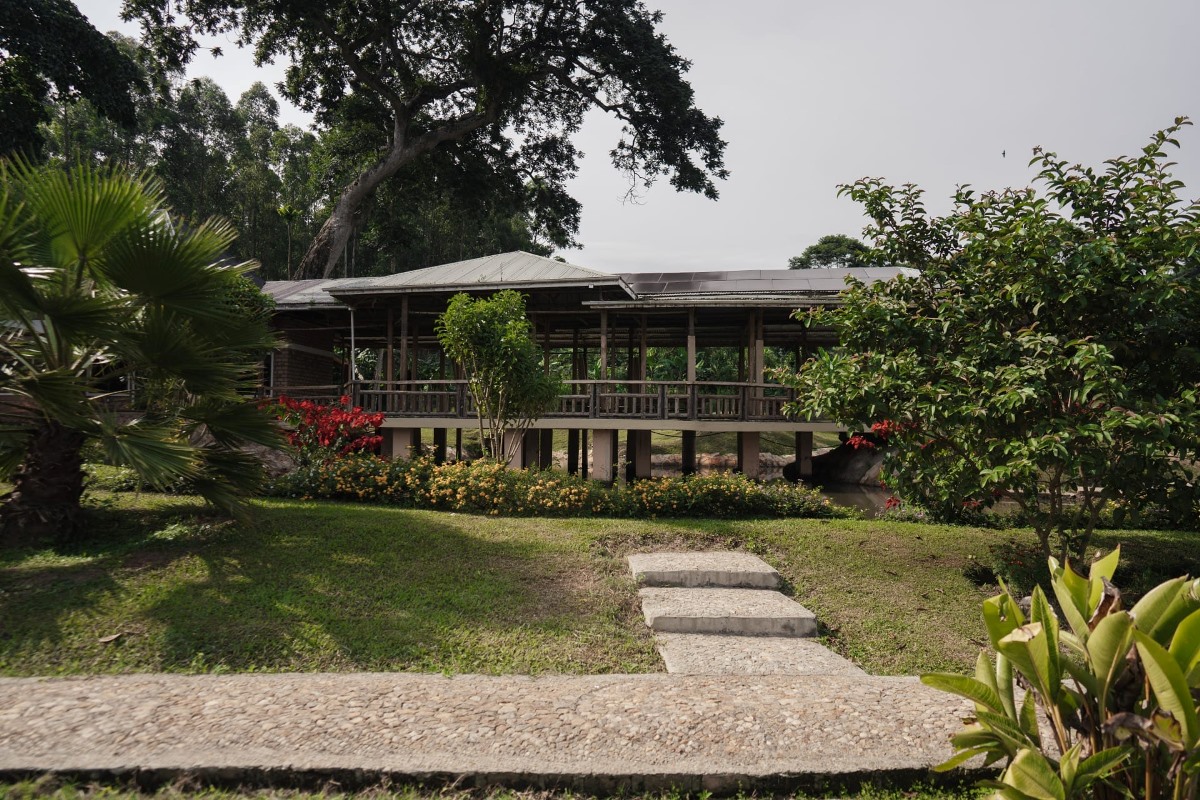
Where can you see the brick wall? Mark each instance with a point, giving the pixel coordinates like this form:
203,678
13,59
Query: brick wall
297,365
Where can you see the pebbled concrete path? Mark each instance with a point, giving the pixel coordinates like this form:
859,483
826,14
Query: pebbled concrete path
589,733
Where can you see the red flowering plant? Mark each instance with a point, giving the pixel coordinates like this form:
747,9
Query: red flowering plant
321,432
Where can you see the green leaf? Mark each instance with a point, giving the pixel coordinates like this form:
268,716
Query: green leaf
1001,616
1032,775
970,688
959,758
1028,719
1107,647
1185,646
1169,685
1162,608
1099,765
1105,568
1071,589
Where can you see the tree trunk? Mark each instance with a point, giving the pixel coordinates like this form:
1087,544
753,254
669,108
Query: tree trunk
327,246
45,500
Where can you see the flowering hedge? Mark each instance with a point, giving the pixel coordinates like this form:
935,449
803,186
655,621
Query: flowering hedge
488,488
320,431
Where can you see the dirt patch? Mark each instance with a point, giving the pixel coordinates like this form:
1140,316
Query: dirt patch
148,559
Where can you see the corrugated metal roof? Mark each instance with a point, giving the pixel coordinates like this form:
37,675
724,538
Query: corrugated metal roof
754,282
772,286
504,269
302,294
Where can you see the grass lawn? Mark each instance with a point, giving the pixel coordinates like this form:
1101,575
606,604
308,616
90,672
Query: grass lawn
315,586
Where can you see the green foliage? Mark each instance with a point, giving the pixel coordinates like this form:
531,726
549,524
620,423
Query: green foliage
491,339
1115,690
1046,352
51,51
831,252
485,487
511,80
97,282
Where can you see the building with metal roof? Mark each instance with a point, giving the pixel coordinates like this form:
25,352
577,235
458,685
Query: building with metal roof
597,328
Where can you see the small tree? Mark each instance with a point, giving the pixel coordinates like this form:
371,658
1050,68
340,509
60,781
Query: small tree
1046,353
97,283
491,339
831,252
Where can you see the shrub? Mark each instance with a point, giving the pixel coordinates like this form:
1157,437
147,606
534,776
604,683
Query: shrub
485,487
1114,690
321,431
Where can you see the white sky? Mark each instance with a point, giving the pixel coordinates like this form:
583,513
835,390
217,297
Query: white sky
814,94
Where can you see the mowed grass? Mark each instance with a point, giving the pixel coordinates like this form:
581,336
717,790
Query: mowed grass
315,586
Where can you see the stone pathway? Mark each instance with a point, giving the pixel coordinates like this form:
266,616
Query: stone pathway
719,613
598,734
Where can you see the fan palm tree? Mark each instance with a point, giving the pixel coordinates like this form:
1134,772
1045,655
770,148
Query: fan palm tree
97,283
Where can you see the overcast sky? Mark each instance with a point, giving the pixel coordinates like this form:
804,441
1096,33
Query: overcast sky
817,94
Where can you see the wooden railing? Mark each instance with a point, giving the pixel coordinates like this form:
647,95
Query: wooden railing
588,399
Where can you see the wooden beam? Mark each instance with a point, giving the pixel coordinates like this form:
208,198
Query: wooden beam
404,338
691,346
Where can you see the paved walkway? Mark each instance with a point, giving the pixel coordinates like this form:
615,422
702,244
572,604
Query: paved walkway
590,733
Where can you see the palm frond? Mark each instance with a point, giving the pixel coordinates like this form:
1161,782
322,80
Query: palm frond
234,423
156,451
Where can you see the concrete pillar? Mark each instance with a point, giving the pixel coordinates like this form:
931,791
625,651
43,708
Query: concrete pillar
546,449
804,449
439,445
514,443
602,455
398,442
689,452
748,450
573,451
640,458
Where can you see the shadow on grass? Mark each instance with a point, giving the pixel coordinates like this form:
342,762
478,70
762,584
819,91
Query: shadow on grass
338,586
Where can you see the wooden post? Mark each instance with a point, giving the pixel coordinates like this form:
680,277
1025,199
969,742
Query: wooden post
642,352
546,449
804,448
583,452
439,445
389,369
689,452
458,455
404,338
603,346
573,451
691,346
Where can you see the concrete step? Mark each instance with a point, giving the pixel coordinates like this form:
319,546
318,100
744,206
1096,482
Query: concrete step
744,612
727,569
701,654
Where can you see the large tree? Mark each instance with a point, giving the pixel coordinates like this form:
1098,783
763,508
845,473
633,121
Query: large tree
97,285
1048,351
49,51
439,71
832,251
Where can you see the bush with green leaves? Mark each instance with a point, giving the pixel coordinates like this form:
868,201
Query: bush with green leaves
1114,691
485,487
491,338
1044,351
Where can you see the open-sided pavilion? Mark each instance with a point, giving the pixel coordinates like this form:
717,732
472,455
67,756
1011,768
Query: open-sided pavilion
596,329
